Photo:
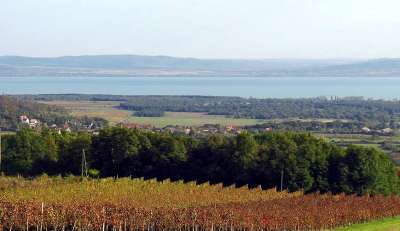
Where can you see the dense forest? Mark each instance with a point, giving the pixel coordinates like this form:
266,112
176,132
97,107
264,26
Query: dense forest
11,108
150,112
293,161
376,114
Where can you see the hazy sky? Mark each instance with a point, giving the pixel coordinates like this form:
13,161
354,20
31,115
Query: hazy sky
202,28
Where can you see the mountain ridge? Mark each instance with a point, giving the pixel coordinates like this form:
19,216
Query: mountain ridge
161,65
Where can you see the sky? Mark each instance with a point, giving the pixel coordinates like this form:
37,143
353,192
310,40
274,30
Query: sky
248,29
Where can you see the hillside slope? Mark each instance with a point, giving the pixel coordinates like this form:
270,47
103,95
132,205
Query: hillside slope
12,108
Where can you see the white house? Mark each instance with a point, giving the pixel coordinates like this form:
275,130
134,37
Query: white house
24,119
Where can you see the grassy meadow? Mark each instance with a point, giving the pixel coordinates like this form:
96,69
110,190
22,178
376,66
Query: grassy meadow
388,224
108,110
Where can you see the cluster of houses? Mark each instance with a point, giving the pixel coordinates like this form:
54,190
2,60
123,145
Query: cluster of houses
31,122
203,130
385,131
37,124
65,128
208,129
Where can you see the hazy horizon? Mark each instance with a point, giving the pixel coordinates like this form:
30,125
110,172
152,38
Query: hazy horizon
192,57
212,29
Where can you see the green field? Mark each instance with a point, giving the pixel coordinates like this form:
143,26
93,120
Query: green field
388,224
108,110
191,119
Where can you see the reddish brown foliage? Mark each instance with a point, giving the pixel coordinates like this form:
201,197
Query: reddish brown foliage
308,212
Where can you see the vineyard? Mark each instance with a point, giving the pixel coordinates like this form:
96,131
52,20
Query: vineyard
71,204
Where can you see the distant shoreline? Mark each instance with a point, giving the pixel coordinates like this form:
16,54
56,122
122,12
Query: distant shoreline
165,66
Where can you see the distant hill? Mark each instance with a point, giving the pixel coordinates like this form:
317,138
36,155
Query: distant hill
375,67
137,65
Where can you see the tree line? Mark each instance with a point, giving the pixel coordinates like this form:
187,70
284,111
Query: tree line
293,161
335,126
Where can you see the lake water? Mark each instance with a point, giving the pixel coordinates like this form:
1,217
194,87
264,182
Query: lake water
369,87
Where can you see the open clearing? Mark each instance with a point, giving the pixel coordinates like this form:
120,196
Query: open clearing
388,224
108,110
191,119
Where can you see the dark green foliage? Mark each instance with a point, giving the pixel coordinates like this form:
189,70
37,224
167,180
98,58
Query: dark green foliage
293,161
336,126
149,113
113,150
29,153
363,170
71,148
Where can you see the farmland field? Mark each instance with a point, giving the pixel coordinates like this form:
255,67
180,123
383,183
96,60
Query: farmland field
102,109
192,119
134,204
107,110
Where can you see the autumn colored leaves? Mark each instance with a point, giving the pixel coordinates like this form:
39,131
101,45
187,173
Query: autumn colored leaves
51,204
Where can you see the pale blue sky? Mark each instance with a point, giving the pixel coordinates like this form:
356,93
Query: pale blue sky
202,28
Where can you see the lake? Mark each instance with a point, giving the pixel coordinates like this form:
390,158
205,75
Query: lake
369,87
